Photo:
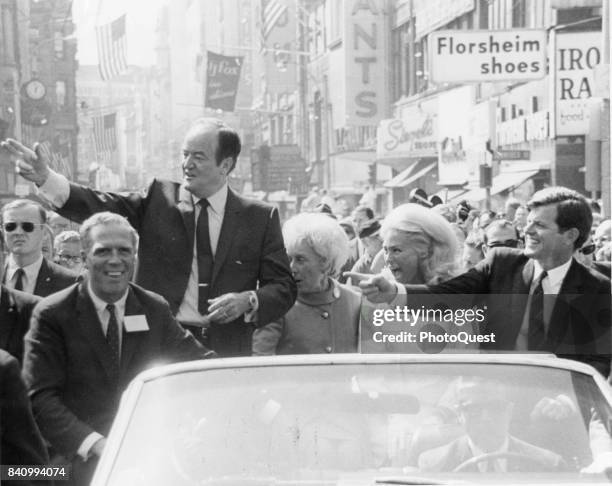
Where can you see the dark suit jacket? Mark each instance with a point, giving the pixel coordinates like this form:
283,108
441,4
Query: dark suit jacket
15,311
580,322
250,254
21,442
447,457
67,365
53,278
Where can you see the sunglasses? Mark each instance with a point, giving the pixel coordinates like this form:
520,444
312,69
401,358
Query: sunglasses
588,249
507,244
25,226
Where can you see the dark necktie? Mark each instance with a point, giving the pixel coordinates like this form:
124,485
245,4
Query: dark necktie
537,332
205,257
112,337
19,278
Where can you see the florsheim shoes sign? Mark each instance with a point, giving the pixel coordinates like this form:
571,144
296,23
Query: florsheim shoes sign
487,56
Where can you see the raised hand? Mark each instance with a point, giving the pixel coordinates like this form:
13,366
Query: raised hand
32,165
376,288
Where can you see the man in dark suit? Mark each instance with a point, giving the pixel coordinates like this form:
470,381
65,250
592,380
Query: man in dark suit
23,224
485,413
88,341
21,442
539,298
15,311
218,259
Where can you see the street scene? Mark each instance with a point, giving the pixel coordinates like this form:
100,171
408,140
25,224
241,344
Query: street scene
305,242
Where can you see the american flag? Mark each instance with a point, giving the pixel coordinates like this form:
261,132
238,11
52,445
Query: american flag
112,48
272,10
104,133
59,163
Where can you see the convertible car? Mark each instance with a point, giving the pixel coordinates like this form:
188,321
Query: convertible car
363,419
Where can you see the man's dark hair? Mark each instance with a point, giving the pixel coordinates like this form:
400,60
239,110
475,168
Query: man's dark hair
228,145
573,210
228,140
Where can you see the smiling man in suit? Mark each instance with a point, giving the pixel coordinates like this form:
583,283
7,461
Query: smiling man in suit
88,341
218,258
23,223
538,298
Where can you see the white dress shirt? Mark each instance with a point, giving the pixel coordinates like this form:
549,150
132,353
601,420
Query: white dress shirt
30,274
551,285
104,317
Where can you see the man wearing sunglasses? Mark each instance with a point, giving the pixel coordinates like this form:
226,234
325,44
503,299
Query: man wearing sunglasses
26,270
538,298
15,311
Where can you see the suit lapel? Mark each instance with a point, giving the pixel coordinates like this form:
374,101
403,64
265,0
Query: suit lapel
131,340
88,321
8,318
520,294
185,207
43,281
233,207
571,287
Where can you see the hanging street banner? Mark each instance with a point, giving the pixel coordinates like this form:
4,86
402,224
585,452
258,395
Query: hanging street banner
222,77
458,56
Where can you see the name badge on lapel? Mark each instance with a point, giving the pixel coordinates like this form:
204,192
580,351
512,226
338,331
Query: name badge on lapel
136,323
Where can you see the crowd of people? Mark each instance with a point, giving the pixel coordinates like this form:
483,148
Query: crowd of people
109,284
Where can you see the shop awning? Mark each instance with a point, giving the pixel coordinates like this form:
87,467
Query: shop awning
448,195
409,175
501,182
403,175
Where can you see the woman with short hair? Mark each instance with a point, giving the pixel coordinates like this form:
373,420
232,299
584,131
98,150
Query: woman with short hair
325,316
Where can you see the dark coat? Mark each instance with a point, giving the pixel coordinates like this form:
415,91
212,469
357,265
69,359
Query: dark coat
250,253
53,278
21,442
580,323
15,311
67,362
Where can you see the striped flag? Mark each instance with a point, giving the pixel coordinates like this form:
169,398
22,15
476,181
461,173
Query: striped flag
104,133
112,48
272,11
59,163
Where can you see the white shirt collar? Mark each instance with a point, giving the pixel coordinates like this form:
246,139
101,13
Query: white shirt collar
31,270
555,275
100,304
216,201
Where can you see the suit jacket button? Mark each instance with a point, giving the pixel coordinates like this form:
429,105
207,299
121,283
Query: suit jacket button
325,315
328,349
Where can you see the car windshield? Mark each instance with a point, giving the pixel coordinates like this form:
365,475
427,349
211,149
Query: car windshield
324,423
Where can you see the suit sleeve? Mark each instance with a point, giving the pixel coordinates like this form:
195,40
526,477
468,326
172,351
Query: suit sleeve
180,345
83,202
22,443
44,371
277,290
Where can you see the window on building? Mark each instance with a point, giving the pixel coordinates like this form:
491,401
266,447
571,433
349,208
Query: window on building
502,114
483,17
60,94
58,44
534,104
519,10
